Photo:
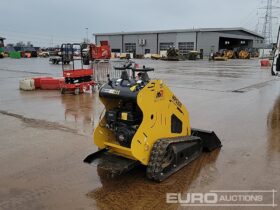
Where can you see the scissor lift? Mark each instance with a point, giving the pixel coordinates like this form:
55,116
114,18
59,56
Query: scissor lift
77,80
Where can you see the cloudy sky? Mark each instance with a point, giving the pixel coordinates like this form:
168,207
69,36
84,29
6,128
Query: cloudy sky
51,22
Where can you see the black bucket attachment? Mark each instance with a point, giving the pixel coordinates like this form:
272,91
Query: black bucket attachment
210,141
110,162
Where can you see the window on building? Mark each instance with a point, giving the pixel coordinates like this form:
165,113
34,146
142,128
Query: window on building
243,42
185,47
130,47
165,45
227,42
147,51
116,50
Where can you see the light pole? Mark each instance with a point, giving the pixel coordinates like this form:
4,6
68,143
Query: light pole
87,34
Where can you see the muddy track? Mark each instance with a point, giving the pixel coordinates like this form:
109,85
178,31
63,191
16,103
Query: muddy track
30,72
255,86
43,124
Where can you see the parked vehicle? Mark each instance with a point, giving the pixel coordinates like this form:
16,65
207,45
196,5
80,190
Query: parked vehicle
58,59
43,54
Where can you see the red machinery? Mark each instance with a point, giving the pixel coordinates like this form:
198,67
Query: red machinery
76,80
103,51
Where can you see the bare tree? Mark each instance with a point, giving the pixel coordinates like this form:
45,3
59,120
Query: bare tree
20,44
29,44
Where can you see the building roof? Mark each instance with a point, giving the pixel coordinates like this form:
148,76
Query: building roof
182,31
2,38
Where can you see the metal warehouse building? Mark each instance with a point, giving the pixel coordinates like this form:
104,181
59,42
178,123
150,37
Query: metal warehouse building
204,39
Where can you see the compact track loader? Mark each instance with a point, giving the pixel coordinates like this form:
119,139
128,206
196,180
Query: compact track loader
145,123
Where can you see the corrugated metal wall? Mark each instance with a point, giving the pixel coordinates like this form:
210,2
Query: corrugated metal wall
202,40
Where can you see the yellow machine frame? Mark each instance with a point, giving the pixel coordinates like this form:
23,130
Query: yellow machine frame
157,104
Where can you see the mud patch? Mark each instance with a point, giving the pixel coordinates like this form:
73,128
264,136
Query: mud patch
36,123
252,87
19,71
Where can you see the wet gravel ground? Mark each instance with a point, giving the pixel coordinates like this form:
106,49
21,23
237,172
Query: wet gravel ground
46,135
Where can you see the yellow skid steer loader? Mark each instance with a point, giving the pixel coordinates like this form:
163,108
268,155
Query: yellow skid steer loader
145,123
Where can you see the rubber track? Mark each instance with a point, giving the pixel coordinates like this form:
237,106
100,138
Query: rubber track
154,168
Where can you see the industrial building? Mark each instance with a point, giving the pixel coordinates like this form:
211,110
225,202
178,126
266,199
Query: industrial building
204,40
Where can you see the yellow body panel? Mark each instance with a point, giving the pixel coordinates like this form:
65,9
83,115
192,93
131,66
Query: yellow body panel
229,54
157,104
243,54
123,151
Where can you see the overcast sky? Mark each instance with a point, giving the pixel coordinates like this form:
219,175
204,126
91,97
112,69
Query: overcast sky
46,22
